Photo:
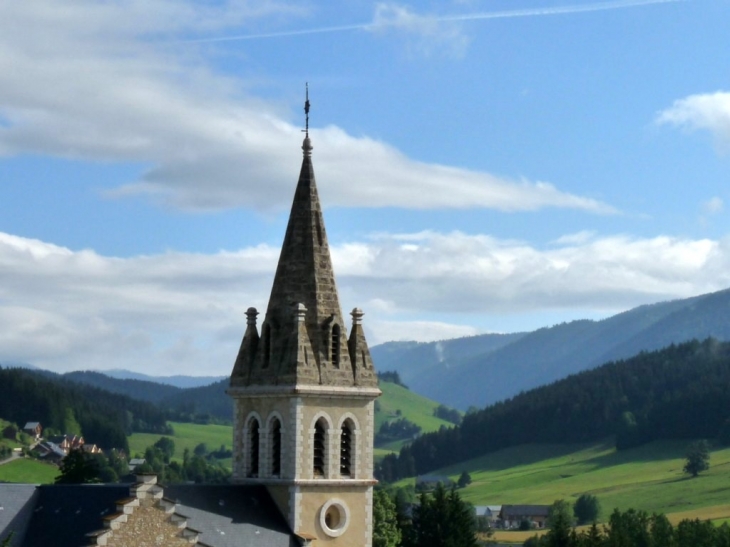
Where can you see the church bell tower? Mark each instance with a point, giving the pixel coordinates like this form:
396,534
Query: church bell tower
304,390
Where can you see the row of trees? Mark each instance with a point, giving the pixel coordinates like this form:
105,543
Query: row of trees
402,428
449,414
391,376
80,467
442,519
634,529
639,400
196,467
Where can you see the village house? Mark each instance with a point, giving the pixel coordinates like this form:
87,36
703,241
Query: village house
91,449
50,452
67,442
512,515
34,429
490,513
134,463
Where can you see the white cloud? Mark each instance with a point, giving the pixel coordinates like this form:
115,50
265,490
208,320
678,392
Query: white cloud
65,309
419,331
708,111
572,239
459,273
429,34
94,81
81,310
713,206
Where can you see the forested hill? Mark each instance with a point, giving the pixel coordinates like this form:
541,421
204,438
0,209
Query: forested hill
481,370
137,389
177,380
103,418
181,404
682,391
210,400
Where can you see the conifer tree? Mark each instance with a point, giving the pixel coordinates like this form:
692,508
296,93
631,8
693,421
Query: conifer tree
442,520
385,523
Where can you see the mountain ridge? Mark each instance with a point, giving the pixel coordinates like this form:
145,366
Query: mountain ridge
494,369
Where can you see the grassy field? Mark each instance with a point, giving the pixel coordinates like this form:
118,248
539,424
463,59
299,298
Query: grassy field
186,436
10,444
7,442
649,478
28,471
416,408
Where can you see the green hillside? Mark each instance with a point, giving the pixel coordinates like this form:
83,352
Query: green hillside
414,407
648,477
642,399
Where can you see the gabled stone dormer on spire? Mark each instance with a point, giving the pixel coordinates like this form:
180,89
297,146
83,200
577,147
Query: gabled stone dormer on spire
303,338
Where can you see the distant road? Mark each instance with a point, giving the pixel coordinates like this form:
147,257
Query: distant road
13,456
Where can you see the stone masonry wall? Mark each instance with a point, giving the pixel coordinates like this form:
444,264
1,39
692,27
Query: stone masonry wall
148,526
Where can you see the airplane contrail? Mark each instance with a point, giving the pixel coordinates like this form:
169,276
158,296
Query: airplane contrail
527,12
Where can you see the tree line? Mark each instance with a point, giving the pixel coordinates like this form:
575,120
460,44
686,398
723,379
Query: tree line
640,399
633,528
80,467
443,519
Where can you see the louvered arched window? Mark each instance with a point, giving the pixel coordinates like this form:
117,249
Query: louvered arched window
346,450
253,448
275,442
319,452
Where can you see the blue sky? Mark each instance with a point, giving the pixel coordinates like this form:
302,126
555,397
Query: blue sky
485,166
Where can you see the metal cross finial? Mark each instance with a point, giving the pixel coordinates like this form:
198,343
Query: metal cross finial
306,109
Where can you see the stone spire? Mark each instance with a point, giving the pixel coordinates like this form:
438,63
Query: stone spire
303,337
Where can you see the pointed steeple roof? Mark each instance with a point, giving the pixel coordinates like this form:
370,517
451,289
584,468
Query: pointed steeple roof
303,338
304,274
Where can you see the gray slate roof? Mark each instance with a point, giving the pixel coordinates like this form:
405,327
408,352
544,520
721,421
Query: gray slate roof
62,515
16,509
230,516
512,511
52,447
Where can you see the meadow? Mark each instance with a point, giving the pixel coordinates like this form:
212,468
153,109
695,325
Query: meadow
649,477
188,436
28,471
412,406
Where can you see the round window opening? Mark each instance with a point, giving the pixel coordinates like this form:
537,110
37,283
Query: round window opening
334,517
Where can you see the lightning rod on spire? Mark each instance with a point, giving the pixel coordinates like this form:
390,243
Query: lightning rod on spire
306,109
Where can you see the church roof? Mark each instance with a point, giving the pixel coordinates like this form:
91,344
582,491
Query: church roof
16,509
66,515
